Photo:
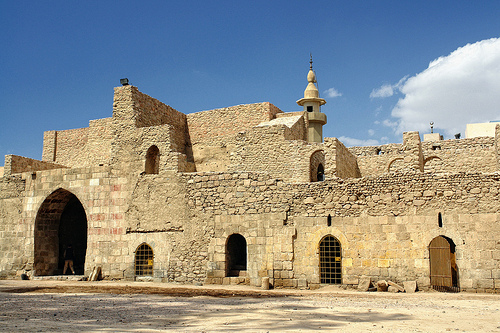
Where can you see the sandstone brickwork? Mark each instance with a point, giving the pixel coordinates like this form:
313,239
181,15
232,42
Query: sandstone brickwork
184,185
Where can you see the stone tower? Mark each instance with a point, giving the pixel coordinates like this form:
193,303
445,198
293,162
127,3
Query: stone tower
312,104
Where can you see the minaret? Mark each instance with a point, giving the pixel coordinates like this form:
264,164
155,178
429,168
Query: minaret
312,104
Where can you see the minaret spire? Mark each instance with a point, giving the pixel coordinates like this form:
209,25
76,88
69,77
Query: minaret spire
312,104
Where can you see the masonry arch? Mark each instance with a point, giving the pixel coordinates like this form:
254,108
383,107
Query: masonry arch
432,163
330,260
152,160
144,260
443,266
236,255
394,163
317,166
60,221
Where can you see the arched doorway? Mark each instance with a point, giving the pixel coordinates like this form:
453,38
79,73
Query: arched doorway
152,160
443,265
144,259
60,221
236,255
330,260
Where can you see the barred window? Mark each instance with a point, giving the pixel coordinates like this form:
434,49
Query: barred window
144,260
330,260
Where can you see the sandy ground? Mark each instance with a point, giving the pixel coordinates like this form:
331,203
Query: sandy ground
55,306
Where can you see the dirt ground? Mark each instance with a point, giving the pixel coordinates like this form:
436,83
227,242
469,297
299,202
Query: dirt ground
71,306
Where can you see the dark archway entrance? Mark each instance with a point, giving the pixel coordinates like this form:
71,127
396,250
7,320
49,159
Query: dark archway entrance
443,265
236,255
330,260
60,221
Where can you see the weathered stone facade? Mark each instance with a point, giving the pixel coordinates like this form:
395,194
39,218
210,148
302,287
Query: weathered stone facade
238,194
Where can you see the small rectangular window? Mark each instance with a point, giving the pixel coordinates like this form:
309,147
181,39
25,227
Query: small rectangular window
309,109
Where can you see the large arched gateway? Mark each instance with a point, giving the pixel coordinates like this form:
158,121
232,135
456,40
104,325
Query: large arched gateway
60,221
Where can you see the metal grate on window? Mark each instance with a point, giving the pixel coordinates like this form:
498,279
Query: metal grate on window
330,260
144,260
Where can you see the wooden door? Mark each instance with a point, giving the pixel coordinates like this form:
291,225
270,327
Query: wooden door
440,261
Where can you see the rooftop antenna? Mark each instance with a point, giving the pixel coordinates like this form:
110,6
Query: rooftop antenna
432,127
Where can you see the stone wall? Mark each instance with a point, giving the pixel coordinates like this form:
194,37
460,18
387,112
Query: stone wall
213,132
119,219
68,147
89,146
445,156
219,125
340,162
13,231
274,150
139,122
18,164
449,156
384,224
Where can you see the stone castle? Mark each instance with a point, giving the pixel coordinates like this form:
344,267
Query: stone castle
247,193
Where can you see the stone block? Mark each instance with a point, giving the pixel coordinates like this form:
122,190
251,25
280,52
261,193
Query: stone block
265,283
364,283
382,285
393,284
350,279
302,283
410,286
392,289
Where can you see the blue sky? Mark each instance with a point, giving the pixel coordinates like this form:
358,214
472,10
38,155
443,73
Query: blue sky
391,65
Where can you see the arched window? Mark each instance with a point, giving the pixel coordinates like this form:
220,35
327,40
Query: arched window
236,255
152,160
144,258
330,260
316,166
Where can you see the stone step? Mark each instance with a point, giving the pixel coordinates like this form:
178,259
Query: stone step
60,278
235,272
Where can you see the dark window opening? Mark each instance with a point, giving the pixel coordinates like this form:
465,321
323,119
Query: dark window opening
144,260
436,147
152,160
329,220
378,151
309,109
236,255
440,220
330,260
320,173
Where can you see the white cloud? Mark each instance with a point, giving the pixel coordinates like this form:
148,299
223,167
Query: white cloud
357,142
332,93
461,88
387,90
371,132
389,123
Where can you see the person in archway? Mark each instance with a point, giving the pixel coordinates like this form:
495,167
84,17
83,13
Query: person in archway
69,256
